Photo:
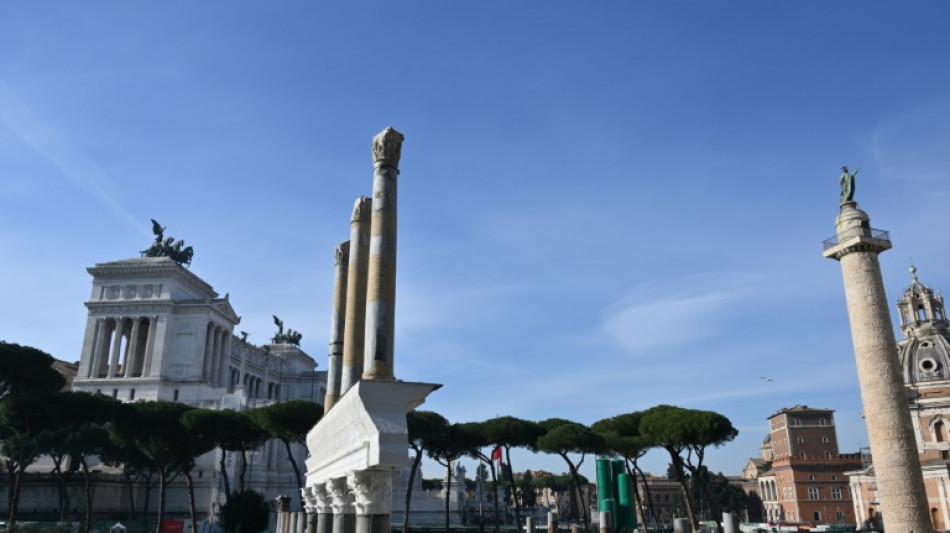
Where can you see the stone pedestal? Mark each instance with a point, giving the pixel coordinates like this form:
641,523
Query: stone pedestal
891,435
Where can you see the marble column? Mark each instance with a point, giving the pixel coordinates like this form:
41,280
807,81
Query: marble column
373,491
95,359
149,345
344,521
132,359
355,319
381,286
215,354
891,434
116,346
208,357
337,324
323,504
225,358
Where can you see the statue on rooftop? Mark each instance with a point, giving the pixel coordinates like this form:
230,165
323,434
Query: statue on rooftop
162,247
290,337
847,185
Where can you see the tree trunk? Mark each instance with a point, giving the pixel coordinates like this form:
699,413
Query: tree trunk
224,474
710,503
580,495
162,484
148,492
293,463
243,470
60,487
412,478
191,501
448,495
514,488
128,485
87,488
494,496
646,488
15,500
687,503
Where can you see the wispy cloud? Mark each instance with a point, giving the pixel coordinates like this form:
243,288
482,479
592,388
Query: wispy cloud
668,321
17,115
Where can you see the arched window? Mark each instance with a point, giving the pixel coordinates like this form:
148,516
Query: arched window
940,432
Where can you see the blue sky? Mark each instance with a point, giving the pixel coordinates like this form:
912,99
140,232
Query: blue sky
603,206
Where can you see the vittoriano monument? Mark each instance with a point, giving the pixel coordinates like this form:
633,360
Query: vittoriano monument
893,445
162,247
362,438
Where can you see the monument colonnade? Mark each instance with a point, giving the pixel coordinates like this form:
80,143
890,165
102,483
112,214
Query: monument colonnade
113,358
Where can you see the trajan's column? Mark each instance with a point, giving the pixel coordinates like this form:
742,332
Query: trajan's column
893,447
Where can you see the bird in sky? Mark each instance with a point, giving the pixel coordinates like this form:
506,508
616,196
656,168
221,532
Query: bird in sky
767,380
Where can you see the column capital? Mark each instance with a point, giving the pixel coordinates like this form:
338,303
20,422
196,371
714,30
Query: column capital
387,147
373,490
318,499
341,499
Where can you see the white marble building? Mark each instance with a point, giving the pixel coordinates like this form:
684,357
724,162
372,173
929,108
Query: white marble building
156,331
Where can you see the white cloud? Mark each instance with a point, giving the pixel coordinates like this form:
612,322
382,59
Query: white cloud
668,321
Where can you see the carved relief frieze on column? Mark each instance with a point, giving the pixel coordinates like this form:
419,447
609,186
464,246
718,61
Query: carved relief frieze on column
373,491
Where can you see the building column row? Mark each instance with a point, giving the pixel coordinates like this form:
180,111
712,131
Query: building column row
216,355
111,358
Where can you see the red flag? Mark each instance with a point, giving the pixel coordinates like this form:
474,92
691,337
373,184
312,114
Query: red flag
496,455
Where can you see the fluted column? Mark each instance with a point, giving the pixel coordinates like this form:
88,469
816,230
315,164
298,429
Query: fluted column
373,492
355,320
96,357
381,287
129,367
116,346
890,431
337,323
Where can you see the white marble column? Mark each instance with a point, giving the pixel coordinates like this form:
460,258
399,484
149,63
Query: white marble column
381,276
128,369
95,357
149,345
323,506
344,521
373,491
225,358
116,346
215,354
208,355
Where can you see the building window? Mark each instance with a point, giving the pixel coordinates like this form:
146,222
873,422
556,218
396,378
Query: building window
812,493
817,516
175,397
821,421
825,440
132,394
801,440
115,393
811,478
840,516
828,453
834,477
797,421
803,455
835,493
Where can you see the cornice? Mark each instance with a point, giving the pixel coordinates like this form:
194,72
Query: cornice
144,268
